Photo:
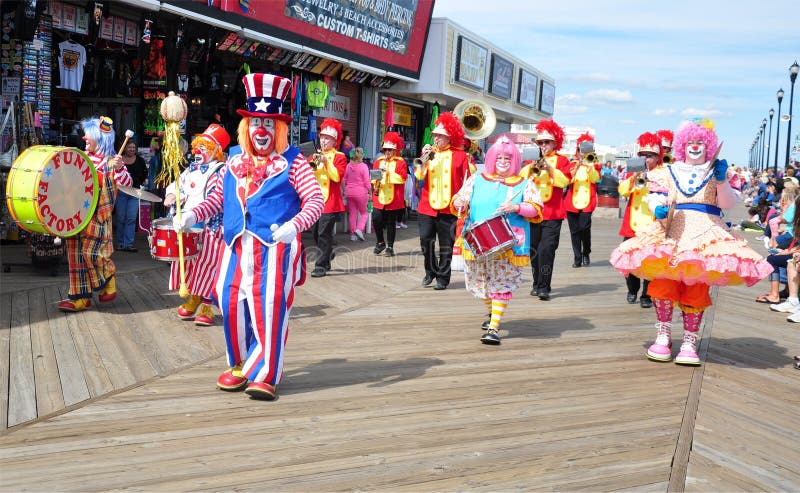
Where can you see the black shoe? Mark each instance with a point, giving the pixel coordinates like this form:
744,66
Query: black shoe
534,291
318,272
544,295
440,286
586,261
576,263
389,252
491,337
427,280
631,298
646,302
379,248
485,324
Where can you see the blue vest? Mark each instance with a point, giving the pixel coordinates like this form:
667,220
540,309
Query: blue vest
275,202
487,197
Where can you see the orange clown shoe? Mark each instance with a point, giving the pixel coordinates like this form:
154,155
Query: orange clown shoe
75,305
232,379
109,291
262,391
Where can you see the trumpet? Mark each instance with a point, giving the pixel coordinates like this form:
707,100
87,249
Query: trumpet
538,166
590,158
641,180
423,160
668,159
316,160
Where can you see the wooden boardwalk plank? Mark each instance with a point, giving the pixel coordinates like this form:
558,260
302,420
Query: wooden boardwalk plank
5,357
49,397
21,387
70,371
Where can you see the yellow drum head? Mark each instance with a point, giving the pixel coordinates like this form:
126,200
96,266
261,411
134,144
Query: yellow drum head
52,190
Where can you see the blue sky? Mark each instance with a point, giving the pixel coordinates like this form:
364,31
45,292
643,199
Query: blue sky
626,67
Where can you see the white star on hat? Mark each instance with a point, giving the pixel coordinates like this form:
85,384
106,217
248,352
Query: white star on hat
262,105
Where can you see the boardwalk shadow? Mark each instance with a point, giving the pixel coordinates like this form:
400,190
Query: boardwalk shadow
308,311
749,352
544,328
583,289
339,372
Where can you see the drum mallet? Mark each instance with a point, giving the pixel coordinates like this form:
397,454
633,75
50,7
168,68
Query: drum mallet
128,135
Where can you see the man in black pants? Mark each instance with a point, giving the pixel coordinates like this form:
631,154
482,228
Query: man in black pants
550,175
442,177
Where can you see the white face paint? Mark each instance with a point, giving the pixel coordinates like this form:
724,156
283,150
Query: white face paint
326,142
201,154
503,164
262,134
695,152
91,145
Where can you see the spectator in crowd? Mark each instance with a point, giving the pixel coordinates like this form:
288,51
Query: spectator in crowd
787,205
126,207
357,189
792,304
779,260
347,144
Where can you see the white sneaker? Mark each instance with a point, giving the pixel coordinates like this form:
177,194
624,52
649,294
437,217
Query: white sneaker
766,243
759,238
785,307
353,238
360,234
794,317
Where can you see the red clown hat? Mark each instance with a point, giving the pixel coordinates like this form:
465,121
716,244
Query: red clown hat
448,124
265,96
550,130
332,128
649,143
392,140
666,138
218,135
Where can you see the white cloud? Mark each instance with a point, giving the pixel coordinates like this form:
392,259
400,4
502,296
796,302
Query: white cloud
610,96
629,122
664,112
707,112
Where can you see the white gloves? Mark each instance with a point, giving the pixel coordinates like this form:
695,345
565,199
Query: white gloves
188,219
286,233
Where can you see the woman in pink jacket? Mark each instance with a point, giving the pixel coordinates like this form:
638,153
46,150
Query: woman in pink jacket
357,190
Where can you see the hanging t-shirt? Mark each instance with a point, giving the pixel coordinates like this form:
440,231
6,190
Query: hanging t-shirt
317,94
70,64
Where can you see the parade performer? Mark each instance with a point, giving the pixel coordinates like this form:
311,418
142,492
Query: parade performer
329,167
389,203
550,174
689,248
666,137
581,201
269,195
89,252
442,170
638,215
196,182
498,189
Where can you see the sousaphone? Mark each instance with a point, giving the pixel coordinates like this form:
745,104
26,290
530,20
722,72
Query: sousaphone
476,117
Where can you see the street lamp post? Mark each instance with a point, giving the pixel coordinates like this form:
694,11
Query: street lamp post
761,147
792,77
769,137
778,130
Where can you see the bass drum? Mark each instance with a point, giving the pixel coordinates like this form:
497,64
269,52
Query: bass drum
52,190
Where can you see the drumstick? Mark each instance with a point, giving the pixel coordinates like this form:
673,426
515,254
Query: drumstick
128,135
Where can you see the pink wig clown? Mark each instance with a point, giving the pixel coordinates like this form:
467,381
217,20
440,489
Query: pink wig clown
503,145
697,129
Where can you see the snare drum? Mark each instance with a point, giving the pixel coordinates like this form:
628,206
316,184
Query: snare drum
164,241
490,237
52,190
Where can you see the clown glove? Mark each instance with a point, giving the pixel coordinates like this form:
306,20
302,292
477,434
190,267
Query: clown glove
286,233
187,220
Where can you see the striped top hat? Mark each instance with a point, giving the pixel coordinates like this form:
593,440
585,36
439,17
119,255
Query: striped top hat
265,96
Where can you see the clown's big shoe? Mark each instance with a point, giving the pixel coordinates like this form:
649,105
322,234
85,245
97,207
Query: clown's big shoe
661,349
186,310
109,292
232,379
75,305
205,315
261,390
688,354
